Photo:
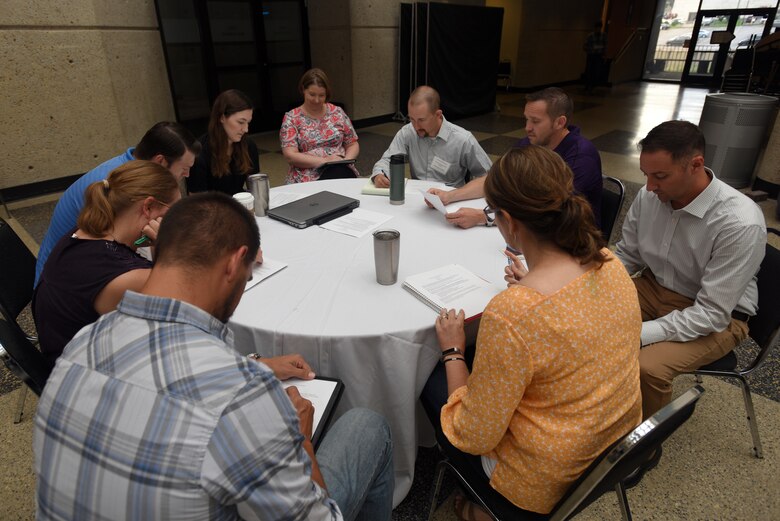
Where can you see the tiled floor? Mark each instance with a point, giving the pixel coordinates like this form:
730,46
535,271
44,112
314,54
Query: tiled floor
706,472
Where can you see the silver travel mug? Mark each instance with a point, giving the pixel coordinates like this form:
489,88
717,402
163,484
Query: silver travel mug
259,186
387,244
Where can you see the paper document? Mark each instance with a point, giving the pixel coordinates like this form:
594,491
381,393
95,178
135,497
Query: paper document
280,198
370,189
262,271
357,223
435,200
323,394
452,286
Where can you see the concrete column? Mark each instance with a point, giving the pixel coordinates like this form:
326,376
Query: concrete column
81,81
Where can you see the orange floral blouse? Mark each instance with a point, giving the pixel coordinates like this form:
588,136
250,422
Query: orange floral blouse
555,382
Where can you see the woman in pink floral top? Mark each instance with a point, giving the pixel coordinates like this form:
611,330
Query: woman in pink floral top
317,132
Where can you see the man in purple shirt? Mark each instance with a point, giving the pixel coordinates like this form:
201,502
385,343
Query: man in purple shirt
547,113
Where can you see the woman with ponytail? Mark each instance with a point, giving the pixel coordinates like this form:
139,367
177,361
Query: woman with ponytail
555,373
93,265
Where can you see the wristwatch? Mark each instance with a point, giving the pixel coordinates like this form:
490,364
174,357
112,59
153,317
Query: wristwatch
489,222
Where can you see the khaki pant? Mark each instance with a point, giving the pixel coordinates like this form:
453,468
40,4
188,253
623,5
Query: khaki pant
659,363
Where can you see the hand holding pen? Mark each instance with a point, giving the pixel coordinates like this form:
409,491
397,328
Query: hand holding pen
149,233
515,269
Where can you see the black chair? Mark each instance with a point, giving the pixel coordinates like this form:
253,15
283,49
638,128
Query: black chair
764,330
611,203
609,471
16,288
335,171
505,72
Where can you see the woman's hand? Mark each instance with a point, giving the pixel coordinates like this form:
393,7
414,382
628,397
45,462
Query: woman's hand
151,229
449,329
514,273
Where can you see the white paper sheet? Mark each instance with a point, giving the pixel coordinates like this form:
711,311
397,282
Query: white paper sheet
437,203
262,271
318,392
357,223
281,198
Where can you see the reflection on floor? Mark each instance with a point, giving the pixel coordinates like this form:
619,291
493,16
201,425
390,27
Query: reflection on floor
707,471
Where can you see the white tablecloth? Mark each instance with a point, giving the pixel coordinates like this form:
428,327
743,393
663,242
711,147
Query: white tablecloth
327,306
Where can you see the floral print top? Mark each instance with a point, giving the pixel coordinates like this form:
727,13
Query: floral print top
555,382
329,135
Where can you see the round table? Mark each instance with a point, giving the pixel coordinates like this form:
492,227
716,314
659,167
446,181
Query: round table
327,306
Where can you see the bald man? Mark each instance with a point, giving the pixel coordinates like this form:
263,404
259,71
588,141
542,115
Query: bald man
437,150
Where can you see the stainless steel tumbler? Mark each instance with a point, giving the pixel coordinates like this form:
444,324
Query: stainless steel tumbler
387,245
259,186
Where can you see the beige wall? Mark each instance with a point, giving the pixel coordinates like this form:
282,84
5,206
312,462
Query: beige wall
81,80
543,40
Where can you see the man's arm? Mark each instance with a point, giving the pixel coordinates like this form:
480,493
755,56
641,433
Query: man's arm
399,145
258,460
627,249
474,189
735,260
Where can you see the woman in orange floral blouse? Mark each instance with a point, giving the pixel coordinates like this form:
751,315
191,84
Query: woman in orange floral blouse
555,376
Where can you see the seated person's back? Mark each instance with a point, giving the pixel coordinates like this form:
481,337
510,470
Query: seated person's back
89,269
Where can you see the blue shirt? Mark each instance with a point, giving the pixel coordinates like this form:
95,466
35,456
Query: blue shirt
585,162
151,414
68,208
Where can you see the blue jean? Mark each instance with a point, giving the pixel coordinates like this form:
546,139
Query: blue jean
356,461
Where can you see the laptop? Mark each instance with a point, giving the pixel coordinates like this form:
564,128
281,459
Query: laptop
317,208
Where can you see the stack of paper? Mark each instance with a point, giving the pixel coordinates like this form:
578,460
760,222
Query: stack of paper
452,287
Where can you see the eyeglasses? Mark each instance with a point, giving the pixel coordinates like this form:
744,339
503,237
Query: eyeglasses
490,213
162,203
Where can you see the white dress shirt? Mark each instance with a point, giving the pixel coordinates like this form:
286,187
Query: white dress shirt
708,251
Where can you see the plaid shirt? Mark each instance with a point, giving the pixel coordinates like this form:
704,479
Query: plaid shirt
151,414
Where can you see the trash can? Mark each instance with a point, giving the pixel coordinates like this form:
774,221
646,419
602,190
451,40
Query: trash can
734,125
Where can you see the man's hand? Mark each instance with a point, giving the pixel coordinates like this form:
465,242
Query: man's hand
444,195
305,410
466,217
381,181
289,366
515,271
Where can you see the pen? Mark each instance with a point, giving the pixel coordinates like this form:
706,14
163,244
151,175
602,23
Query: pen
140,240
513,251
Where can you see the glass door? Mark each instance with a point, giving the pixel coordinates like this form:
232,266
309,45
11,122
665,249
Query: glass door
716,35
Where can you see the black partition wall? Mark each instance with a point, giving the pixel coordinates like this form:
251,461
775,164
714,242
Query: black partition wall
453,48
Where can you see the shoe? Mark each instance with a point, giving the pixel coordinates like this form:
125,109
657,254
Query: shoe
635,477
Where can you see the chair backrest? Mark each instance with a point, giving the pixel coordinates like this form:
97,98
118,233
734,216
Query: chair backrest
765,326
17,273
335,172
626,455
22,358
611,203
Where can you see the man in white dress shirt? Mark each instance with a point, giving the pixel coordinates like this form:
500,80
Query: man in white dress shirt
698,244
437,149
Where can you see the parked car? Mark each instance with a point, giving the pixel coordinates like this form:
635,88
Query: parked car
749,41
707,20
665,25
678,41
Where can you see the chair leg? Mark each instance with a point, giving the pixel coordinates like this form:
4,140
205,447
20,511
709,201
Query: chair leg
697,378
625,510
751,417
441,468
20,404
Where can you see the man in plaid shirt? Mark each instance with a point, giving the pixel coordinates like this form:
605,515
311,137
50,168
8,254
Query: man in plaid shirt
150,413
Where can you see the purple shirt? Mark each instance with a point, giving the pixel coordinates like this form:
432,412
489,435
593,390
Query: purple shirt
584,160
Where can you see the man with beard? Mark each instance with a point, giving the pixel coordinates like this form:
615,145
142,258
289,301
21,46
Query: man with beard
150,413
547,113
437,149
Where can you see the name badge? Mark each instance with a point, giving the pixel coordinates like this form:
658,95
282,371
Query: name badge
439,165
